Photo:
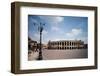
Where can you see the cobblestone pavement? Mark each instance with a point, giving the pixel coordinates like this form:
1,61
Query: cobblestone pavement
60,54
64,54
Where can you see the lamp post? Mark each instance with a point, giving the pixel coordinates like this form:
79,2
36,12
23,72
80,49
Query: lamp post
40,29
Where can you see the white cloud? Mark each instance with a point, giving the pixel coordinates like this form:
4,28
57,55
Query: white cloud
59,19
44,32
58,39
52,19
55,28
34,20
74,32
36,36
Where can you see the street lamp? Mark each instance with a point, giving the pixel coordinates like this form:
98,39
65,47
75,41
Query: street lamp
40,29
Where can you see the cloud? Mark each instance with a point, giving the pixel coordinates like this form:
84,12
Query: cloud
77,34
55,28
53,21
36,36
44,32
52,18
58,39
58,19
74,32
34,20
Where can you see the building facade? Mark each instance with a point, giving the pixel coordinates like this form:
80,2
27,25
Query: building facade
68,44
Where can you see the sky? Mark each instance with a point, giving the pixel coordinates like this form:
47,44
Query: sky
58,28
